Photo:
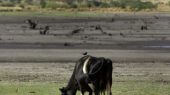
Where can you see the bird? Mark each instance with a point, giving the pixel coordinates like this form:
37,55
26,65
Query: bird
45,31
31,23
144,27
121,34
156,17
110,34
66,44
112,20
98,27
85,53
77,30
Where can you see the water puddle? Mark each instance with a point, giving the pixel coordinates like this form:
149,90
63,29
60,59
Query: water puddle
157,46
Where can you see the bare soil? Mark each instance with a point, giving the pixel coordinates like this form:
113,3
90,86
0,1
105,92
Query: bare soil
138,55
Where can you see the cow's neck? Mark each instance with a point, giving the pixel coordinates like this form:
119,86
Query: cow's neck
71,89
71,92
72,86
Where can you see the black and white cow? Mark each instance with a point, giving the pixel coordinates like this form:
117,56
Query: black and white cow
91,74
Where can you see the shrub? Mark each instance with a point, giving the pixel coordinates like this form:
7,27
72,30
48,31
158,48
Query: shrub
104,5
7,4
43,3
133,4
55,5
7,9
73,5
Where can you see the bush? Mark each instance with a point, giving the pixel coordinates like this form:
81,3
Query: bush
105,5
43,3
73,5
89,4
133,4
55,5
7,9
7,4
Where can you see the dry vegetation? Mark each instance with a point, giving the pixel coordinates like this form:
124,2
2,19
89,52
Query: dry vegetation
107,5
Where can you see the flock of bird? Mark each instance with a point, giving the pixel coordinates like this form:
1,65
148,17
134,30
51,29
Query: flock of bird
33,25
45,30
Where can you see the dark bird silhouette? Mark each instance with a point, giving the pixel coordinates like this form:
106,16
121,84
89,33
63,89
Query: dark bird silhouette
144,27
66,44
31,23
110,34
98,27
85,53
121,34
112,20
156,17
77,30
45,31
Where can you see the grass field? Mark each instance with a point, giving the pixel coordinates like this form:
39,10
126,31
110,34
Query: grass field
118,88
53,14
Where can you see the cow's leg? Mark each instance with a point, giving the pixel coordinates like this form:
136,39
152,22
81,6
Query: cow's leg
80,86
90,93
96,92
109,89
82,92
109,92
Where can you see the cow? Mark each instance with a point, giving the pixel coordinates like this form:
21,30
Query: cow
90,74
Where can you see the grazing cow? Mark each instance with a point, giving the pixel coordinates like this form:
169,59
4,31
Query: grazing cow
91,74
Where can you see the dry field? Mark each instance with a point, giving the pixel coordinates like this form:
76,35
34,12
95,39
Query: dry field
138,55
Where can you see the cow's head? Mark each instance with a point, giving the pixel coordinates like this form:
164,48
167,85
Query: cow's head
66,91
63,91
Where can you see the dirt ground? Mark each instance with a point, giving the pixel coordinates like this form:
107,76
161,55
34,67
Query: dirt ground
138,55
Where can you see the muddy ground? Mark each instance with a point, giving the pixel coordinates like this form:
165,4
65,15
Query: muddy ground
138,54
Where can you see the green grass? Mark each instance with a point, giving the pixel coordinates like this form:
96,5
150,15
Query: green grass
52,14
118,88
29,89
